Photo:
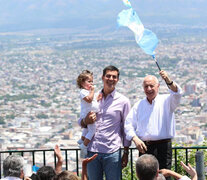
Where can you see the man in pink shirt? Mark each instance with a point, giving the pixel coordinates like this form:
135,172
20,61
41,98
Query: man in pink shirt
109,136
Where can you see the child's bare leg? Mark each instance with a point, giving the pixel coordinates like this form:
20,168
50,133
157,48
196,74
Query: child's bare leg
86,141
83,138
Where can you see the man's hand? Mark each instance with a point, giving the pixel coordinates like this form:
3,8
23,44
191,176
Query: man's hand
99,97
124,160
139,144
90,118
165,76
168,81
190,170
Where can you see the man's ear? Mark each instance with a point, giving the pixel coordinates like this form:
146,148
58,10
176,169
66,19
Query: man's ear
22,174
157,174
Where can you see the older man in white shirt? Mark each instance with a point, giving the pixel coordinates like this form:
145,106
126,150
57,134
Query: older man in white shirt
150,124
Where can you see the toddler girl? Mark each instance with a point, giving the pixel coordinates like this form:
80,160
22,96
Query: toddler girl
88,103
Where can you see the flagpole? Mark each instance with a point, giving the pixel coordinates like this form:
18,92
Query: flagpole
156,63
159,69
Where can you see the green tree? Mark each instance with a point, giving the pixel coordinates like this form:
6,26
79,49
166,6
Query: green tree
126,172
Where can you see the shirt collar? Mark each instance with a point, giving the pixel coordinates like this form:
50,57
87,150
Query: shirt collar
154,100
111,94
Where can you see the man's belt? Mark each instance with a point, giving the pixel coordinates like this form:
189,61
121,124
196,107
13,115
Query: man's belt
157,141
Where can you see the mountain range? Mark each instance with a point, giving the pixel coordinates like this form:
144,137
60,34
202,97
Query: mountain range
37,14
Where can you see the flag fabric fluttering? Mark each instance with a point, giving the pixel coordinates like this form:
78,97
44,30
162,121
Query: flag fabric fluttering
127,3
145,38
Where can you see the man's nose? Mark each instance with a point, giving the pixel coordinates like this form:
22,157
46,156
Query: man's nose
111,78
149,88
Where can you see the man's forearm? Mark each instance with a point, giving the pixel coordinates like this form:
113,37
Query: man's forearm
172,86
126,150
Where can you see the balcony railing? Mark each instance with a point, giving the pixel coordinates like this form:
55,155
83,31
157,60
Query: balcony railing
45,154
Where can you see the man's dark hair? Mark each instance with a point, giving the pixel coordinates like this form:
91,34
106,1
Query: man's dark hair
35,177
110,68
147,167
13,165
46,173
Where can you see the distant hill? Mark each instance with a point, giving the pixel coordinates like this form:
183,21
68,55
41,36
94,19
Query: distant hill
37,14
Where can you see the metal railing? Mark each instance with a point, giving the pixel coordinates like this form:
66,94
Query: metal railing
30,154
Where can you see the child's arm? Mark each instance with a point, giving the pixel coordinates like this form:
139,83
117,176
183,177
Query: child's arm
89,98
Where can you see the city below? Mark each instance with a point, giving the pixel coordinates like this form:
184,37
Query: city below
39,99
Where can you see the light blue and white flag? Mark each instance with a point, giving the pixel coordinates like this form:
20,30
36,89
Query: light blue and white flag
127,3
145,38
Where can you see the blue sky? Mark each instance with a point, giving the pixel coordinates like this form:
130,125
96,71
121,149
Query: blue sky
37,14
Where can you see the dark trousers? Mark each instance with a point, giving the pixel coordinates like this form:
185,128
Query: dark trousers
163,153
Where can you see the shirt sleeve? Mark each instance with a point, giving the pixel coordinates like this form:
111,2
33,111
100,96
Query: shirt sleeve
175,98
184,178
127,106
79,121
131,123
83,93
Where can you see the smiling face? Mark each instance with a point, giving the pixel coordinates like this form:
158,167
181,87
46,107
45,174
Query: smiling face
110,80
151,87
87,83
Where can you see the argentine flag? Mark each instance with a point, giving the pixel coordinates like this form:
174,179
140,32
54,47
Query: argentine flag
145,38
127,3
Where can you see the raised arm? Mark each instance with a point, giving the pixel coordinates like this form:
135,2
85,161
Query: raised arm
167,173
190,170
84,166
59,156
90,97
168,81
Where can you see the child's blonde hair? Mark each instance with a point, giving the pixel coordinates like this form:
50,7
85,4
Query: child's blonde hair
83,76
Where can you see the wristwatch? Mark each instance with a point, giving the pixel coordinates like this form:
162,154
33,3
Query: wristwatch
169,84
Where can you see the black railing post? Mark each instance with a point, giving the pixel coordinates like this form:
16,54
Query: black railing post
44,159
66,159
77,166
55,161
200,165
131,159
0,165
176,160
186,156
33,158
